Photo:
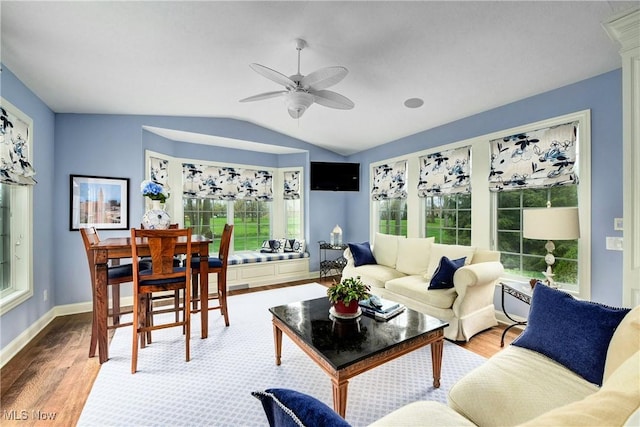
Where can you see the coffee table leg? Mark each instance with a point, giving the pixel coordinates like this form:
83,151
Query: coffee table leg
277,340
340,396
436,361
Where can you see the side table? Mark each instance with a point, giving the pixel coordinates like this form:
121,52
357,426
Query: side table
330,263
520,292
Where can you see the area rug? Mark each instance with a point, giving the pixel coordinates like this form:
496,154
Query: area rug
214,388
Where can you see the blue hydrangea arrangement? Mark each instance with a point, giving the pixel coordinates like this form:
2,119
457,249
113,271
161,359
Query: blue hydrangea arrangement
154,191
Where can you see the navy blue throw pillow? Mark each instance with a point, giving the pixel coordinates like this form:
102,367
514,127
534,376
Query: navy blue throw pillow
361,253
443,276
289,408
574,333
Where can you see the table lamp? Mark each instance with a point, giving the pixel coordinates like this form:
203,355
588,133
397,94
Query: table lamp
550,224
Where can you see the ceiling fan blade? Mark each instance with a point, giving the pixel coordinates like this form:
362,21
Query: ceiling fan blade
331,99
273,75
323,78
265,95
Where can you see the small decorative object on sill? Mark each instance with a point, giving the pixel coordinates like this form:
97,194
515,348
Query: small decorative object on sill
345,295
336,236
533,282
155,218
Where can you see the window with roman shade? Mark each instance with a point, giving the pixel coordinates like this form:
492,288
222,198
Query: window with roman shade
537,159
15,165
159,170
226,183
445,172
291,185
389,181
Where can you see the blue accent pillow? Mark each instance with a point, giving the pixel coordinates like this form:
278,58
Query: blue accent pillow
362,254
574,333
289,408
443,276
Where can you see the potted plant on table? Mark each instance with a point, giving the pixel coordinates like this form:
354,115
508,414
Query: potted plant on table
344,295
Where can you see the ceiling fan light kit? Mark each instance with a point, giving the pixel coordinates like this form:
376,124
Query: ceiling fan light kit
302,91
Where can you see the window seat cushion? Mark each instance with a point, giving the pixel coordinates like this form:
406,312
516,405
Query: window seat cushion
254,257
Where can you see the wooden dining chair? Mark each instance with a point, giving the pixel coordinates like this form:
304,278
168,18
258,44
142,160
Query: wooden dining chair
215,265
117,275
163,276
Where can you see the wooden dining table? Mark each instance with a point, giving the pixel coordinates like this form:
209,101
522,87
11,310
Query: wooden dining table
116,248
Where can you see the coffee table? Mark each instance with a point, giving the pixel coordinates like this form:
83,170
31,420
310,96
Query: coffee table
344,348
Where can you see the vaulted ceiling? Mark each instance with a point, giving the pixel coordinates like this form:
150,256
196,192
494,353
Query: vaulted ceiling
192,58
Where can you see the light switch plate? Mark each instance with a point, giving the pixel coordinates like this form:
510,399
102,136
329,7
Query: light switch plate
618,224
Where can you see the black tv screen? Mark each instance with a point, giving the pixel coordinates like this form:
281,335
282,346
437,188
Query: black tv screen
334,176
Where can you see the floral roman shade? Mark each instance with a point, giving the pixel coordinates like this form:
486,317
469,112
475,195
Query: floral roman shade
159,170
445,172
389,181
15,167
541,158
226,183
291,185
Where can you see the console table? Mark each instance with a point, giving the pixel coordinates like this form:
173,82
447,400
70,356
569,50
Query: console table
520,292
329,263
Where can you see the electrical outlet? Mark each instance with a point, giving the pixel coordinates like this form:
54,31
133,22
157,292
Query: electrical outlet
45,295
614,243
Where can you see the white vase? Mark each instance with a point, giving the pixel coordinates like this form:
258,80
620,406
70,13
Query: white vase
156,218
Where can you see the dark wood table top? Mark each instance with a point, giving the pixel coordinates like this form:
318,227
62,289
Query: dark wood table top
343,342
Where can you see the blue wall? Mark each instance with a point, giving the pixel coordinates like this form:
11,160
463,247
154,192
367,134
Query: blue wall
15,321
113,145
601,94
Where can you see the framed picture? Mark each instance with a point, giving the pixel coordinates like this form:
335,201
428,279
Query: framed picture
99,201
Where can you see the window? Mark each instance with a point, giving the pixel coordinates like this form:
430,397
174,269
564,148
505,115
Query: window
292,203
206,217
251,224
545,162
390,197
293,219
448,218
392,217
525,257
445,188
16,208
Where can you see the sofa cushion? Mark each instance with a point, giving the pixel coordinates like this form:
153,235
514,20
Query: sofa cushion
624,343
421,413
571,332
361,253
450,251
513,390
443,276
289,408
374,275
385,249
413,255
415,288
612,405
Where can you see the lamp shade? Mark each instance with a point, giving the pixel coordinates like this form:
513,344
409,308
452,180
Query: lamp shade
550,224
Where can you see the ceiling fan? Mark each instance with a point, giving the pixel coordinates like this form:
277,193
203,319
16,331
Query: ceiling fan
302,91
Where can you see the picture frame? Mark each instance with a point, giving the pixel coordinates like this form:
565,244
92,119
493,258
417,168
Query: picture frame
98,201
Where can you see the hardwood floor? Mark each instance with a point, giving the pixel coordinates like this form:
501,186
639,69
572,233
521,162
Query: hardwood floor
48,381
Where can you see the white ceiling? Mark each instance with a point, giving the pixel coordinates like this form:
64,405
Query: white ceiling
192,58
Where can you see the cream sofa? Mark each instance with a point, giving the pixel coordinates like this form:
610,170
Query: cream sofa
522,387
580,345
405,266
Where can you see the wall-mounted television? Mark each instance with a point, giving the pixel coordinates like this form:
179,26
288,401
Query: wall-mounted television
335,176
